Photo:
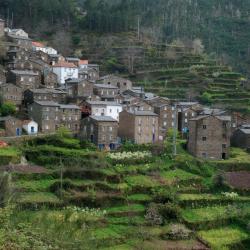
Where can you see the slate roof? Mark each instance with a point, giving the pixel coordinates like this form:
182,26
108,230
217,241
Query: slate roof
105,86
103,118
69,106
24,72
142,113
47,103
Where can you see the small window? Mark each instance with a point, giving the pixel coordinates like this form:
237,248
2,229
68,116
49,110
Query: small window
204,138
204,126
204,155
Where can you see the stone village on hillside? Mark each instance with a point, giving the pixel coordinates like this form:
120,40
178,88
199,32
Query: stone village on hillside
50,91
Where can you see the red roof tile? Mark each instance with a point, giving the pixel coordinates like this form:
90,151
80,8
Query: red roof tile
64,65
38,44
83,62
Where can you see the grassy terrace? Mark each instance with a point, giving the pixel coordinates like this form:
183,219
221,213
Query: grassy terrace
131,205
222,238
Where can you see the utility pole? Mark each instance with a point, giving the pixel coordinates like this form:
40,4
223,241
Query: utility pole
138,28
61,177
175,130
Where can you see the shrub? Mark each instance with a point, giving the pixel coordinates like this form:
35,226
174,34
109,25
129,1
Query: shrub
170,211
179,232
164,195
153,216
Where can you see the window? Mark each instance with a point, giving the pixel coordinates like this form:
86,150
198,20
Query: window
204,138
110,129
204,126
204,155
164,124
56,118
186,114
165,116
173,109
186,120
22,79
110,110
30,79
47,117
110,137
140,122
103,129
193,114
47,127
165,108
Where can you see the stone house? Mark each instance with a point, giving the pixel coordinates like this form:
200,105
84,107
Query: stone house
121,83
106,92
19,54
21,41
70,117
139,126
26,79
166,113
49,79
100,130
140,105
135,92
46,114
2,76
88,71
44,94
79,89
209,137
2,27
101,108
11,126
50,116
11,93
241,137
73,60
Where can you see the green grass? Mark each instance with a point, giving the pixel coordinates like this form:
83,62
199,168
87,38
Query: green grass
139,198
125,220
9,151
141,181
125,209
223,237
209,197
178,175
42,185
38,197
214,213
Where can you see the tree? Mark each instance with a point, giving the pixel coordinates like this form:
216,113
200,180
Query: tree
5,189
8,108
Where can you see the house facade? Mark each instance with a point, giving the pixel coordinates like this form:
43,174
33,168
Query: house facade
26,79
11,126
44,94
209,137
241,137
139,126
2,27
100,130
121,83
106,92
11,93
101,108
64,71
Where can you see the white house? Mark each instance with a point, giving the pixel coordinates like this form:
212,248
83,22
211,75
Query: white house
30,127
18,32
65,71
83,64
102,108
37,46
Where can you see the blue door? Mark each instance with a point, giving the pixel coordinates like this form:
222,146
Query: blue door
32,129
18,131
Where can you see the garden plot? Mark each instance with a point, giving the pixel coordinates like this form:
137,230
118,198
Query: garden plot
127,210
222,238
215,213
238,180
180,176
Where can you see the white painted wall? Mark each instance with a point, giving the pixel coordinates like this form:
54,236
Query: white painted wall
31,128
65,73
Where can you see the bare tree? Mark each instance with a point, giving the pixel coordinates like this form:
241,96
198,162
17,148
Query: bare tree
62,42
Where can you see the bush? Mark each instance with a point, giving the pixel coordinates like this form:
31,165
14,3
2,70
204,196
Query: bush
170,211
8,108
163,195
179,232
153,216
